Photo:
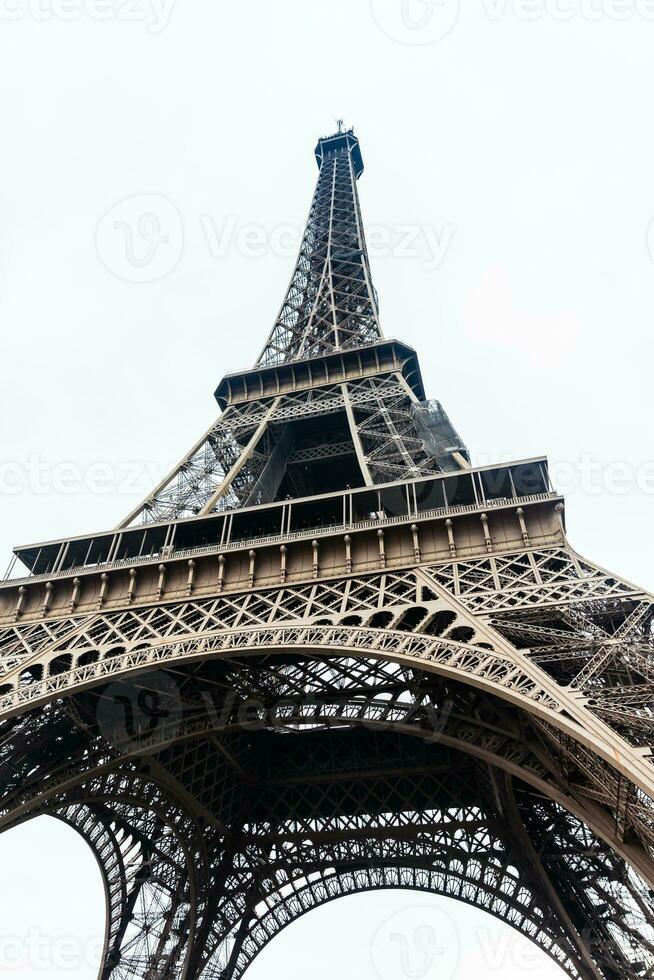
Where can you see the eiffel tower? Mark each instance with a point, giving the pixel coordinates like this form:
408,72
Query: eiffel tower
326,655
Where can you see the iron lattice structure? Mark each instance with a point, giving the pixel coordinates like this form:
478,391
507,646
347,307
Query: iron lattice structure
328,655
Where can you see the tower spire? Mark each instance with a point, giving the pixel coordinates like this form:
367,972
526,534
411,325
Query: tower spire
330,303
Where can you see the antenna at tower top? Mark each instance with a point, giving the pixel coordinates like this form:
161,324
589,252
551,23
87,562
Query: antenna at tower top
339,123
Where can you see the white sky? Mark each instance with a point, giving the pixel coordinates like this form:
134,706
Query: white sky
518,152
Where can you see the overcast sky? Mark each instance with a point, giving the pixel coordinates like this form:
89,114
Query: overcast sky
156,173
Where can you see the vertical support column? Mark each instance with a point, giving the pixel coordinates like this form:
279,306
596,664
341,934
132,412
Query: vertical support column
523,527
47,599
74,598
559,513
487,537
382,549
450,537
361,457
131,592
348,553
62,556
416,542
114,546
162,581
22,591
104,581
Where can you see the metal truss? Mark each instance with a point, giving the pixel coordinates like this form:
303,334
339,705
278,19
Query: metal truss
321,451
461,705
222,469
154,860
386,429
214,467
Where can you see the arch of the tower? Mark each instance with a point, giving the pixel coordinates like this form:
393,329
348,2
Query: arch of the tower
154,857
295,853
466,879
455,849
467,652
296,766
466,874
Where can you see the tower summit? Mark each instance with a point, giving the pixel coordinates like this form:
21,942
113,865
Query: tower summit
342,140
327,654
